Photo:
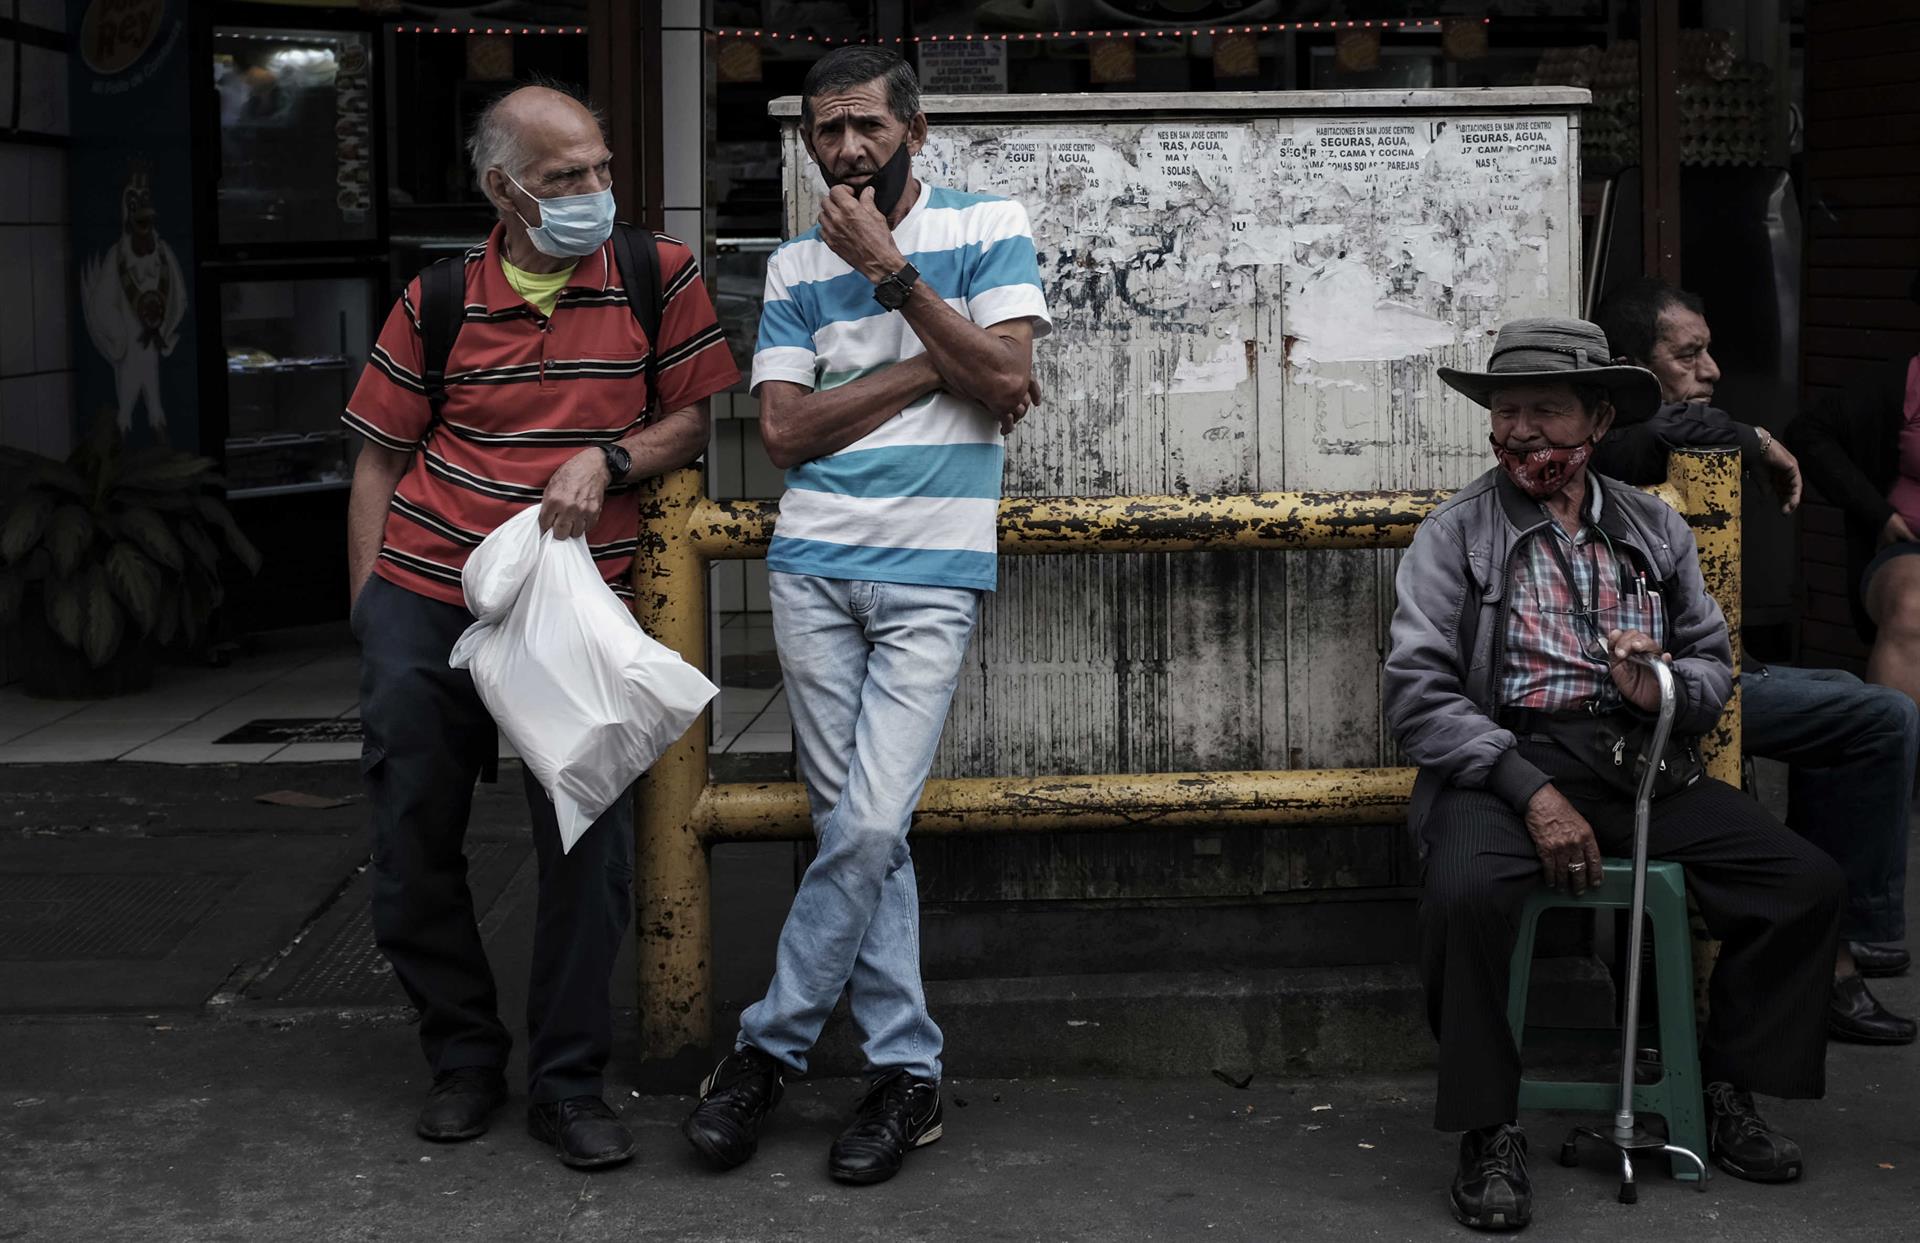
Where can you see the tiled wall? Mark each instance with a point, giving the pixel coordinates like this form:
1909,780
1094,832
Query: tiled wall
36,300
36,269
737,468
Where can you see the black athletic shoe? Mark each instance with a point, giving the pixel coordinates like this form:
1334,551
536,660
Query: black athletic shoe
1742,1143
898,1113
1491,1191
734,1101
583,1130
460,1104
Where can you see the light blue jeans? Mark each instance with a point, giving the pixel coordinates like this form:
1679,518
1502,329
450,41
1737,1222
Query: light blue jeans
870,669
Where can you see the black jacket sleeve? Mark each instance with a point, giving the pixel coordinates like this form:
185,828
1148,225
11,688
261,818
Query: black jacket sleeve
1821,436
1636,453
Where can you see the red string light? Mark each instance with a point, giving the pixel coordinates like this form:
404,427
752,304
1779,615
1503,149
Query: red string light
1039,36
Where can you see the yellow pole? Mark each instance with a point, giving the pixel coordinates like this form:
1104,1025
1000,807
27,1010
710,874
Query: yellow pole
672,885
1704,486
1104,802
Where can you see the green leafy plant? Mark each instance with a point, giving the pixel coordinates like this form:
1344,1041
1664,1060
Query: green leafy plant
119,542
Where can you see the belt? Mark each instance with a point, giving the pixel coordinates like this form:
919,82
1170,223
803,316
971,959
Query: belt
1537,724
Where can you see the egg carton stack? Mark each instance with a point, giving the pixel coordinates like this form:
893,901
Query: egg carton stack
1725,104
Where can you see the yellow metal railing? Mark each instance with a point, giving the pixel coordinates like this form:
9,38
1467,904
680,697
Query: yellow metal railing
679,812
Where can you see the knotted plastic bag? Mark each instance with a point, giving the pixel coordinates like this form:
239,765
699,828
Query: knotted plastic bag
588,698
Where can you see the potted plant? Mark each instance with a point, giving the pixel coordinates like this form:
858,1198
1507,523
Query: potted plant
107,558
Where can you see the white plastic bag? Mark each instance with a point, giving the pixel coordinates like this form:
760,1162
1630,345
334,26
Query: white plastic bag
586,696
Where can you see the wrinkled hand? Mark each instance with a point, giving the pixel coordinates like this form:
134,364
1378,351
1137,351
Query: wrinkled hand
1011,418
571,504
1785,469
1896,531
1563,838
1635,680
853,228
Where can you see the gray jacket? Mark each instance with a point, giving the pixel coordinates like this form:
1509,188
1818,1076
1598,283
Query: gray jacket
1442,673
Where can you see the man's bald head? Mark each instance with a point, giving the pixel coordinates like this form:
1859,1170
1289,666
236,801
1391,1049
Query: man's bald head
542,136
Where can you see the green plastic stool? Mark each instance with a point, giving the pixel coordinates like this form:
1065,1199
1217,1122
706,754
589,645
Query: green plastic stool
1677,1095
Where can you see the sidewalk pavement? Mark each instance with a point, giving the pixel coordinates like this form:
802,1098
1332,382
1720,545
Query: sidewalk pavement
214,1113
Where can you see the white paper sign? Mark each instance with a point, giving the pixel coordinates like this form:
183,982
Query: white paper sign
978,67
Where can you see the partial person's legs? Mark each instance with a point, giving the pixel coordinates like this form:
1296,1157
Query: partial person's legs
1773,902
918,637
1852,749
1893,602
586,902
427,736
1480,867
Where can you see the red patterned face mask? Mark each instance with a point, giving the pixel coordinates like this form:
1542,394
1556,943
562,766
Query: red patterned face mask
1542,472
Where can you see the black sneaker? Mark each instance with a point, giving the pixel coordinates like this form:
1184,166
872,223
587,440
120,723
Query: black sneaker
460,1104
734,1100
1742,1143
898,1113
1491,1191
583,1130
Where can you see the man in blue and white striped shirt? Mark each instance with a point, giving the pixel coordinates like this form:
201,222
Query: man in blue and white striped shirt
896,351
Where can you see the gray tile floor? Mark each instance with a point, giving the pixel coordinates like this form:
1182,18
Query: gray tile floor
313,673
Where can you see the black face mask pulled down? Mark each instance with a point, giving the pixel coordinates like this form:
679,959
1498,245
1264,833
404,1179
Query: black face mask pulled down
888,182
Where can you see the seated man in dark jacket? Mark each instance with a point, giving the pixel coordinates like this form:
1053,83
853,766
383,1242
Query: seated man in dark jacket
1520,604
1853,442
1851,747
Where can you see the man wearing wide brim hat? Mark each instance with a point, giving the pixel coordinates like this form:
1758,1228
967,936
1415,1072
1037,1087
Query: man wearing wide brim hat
1510,683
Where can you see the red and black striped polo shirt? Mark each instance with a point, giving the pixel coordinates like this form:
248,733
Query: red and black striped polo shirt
526,392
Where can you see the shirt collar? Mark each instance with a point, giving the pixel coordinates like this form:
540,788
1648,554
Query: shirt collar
590,274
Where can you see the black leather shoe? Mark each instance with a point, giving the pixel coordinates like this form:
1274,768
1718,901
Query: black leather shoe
734,1101
898,1113
460,1104
585,1130
1491,1190
1743,1144
1877,961
1856,1016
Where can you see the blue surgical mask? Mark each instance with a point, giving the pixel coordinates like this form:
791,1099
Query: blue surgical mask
571,225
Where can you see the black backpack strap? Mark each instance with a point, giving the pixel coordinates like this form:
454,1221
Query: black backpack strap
443,308
636,252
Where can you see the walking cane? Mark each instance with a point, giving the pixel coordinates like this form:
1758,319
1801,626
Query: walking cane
1626,1135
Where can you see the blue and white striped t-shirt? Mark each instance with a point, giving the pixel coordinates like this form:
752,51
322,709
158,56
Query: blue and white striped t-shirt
916,499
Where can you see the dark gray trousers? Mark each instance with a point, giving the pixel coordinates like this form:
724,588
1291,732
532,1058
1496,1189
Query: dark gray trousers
428,736
1771,899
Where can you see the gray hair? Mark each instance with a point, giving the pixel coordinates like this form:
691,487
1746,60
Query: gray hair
856,65
496,144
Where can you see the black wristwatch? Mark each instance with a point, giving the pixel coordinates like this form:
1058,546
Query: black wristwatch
893,291
619,462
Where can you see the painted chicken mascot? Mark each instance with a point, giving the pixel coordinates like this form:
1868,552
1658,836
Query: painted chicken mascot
133,297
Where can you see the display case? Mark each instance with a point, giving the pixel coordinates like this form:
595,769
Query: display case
296,136
294,349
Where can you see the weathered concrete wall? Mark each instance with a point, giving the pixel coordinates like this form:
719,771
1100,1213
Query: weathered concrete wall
1249,292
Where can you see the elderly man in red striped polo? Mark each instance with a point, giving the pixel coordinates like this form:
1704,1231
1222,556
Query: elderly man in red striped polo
541,399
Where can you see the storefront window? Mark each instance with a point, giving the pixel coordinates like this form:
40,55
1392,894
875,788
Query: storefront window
296,136
294,351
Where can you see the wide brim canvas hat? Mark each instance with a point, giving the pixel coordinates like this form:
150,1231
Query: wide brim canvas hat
1551,350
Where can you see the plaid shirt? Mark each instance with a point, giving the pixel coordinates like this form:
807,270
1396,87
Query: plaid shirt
1555,640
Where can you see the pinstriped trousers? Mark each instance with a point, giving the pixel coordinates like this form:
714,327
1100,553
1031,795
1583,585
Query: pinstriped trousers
1771,899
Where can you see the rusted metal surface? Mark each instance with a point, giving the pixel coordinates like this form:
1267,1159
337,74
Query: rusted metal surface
679,814
1704,485
1157,801
1092,524
673,919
